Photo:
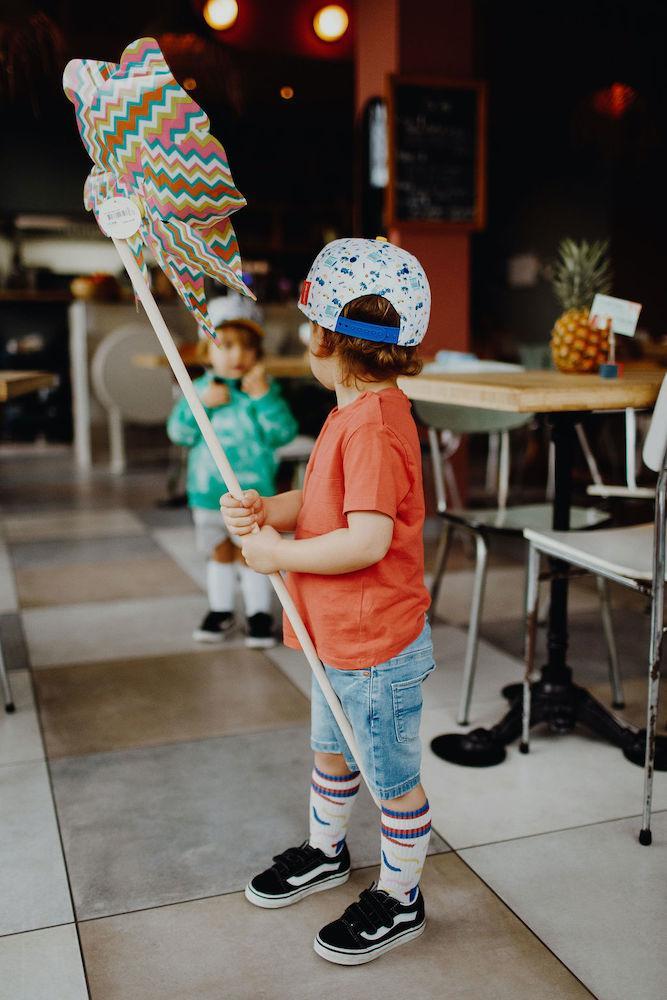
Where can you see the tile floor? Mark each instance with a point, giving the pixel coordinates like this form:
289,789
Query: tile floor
138,771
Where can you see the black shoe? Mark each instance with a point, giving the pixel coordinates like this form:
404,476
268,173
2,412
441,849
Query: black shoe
369,928
260,631
298,872
215,627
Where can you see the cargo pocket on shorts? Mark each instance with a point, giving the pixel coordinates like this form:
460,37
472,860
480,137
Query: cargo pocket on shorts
407,697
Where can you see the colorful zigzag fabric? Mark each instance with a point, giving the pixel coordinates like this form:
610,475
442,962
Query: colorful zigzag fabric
149,141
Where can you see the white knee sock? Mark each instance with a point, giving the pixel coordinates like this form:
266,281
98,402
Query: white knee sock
256,590
221,585
404,842
331,801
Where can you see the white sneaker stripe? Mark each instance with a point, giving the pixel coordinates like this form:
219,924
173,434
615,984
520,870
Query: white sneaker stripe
302,879
400,918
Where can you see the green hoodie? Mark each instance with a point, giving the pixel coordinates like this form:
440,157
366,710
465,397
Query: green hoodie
248,429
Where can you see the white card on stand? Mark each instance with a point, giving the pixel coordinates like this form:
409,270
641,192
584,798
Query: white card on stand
622,313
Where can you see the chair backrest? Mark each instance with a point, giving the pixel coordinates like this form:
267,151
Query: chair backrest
655,444
141,395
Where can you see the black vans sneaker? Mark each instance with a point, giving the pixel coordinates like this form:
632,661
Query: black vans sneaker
296,873
369,928
215,627
260,631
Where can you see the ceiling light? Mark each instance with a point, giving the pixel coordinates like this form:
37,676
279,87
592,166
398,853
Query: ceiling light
331,22
221,14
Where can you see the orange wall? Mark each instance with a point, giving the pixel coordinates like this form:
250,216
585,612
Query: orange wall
431,38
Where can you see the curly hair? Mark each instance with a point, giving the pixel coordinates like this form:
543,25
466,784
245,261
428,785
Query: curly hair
366,360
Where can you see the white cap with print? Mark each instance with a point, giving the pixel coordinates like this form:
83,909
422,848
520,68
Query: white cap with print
349,268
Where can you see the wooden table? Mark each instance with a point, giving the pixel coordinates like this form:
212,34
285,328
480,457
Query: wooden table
564,399
278,365
17,383
536,392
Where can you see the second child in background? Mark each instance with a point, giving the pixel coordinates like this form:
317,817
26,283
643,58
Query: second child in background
250,419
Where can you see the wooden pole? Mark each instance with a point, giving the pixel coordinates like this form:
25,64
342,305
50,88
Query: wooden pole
156,320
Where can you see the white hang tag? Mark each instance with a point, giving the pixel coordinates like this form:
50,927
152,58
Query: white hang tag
622,313
119,217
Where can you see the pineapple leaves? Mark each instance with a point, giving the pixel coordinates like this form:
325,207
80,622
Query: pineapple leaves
580,271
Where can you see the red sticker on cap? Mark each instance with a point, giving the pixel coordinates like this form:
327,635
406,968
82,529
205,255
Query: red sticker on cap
305,292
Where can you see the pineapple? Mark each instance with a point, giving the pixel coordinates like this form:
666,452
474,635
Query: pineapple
582,270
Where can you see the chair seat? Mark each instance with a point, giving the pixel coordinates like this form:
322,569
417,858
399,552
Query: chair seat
515,520
624,552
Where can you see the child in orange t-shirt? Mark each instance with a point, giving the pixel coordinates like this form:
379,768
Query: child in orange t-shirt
356,568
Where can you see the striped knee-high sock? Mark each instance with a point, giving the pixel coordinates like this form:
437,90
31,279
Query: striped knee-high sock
404,842
331,799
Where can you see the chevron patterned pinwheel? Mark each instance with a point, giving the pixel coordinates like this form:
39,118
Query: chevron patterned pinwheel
151,143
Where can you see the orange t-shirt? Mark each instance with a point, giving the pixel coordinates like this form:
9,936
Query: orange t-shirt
367,457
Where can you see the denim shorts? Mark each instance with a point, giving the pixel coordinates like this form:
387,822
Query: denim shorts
383,705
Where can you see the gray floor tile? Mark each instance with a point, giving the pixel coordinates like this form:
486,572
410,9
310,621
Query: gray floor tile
56,552
108,630
595,897
165,517
125,704
503,598
154,826
14,647
20,738
33,884
42,965
68,524
226,949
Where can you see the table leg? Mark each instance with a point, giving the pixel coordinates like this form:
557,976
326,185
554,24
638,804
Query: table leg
78,354
555,699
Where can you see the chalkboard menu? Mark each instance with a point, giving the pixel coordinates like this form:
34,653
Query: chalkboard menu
436,161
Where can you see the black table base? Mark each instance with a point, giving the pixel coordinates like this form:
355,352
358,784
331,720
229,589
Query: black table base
560,707
556,700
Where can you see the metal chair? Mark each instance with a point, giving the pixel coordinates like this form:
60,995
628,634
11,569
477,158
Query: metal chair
480,524
633,557
130,393
628,490
4,684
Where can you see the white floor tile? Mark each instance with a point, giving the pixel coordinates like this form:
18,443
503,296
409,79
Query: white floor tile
179,543
42,965
20,738
33,883
71,524
565,781
494,669
595,897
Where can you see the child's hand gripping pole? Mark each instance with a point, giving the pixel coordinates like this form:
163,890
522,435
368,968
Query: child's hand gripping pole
145,296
